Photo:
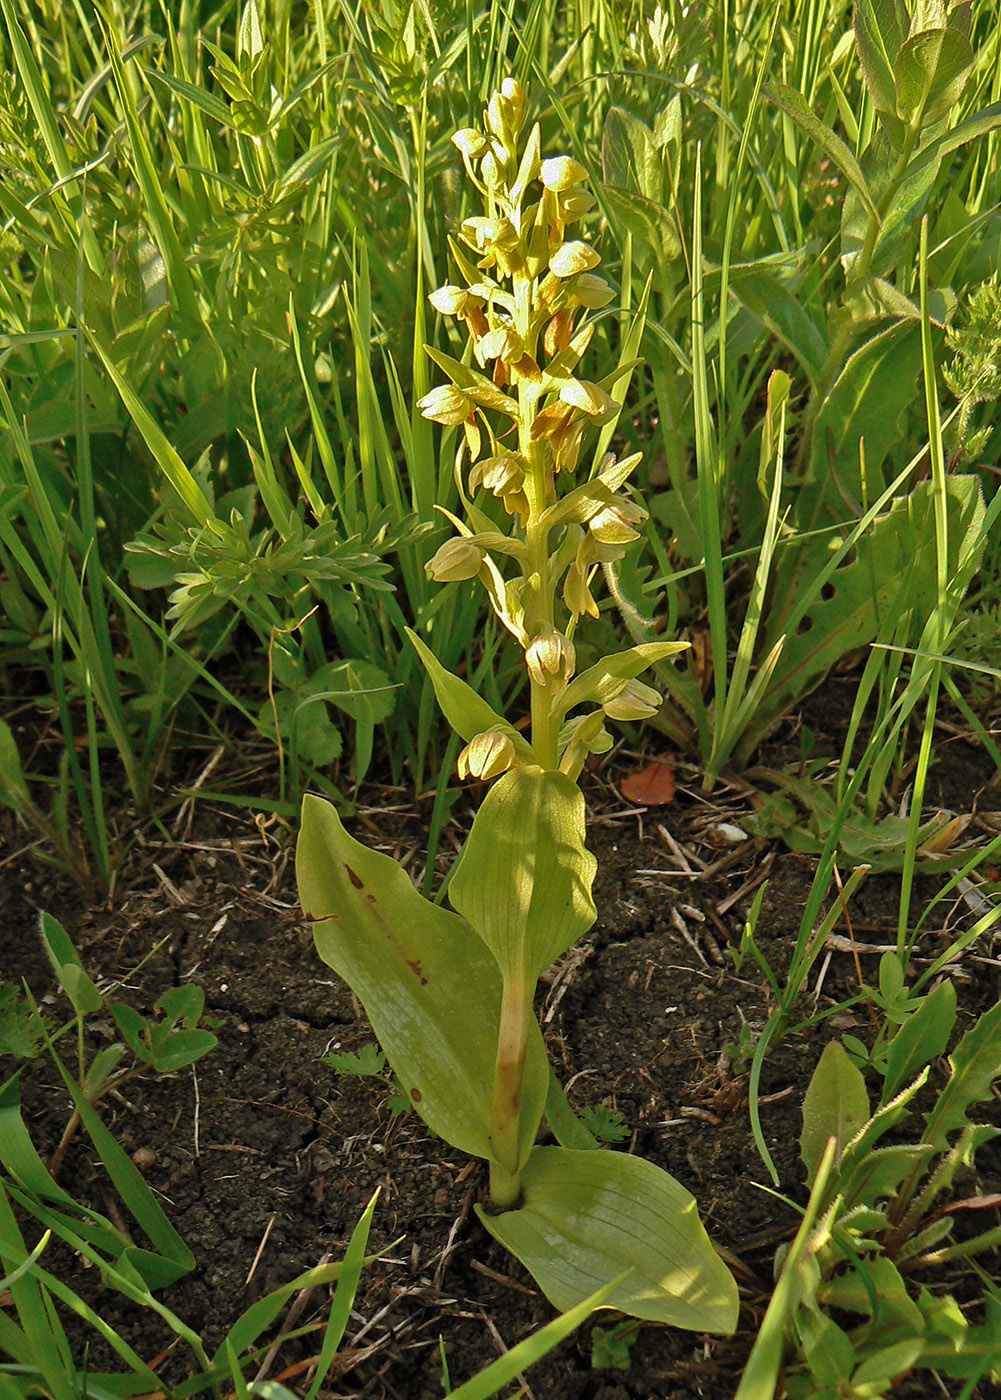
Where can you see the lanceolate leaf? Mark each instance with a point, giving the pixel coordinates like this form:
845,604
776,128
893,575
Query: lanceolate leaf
829,142
428,986
835,1106
466,711
524,878
600,682
587,1217
922,1037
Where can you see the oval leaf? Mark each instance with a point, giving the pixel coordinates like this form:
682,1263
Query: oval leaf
586,1217
524,878
429,987
835,1106
931,70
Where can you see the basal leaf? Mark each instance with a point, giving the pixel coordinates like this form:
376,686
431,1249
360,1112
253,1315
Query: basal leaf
835,1106
524,878
428,985
586,1217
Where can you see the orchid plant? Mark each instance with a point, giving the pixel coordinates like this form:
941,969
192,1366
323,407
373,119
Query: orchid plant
450,995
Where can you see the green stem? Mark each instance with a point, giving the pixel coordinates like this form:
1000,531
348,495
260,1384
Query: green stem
509,1075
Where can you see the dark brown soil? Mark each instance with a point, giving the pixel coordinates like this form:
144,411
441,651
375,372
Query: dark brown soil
264,1158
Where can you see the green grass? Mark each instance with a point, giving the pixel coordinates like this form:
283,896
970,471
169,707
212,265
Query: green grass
220,225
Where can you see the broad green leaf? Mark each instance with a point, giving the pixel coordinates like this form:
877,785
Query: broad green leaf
880,29
975,1065
795,105
429,987
880,1172
524,878
826,1348
779,311
646,220
466,711
586,1217
931,71
835,1106
630,158
989,119
603,680
887,1365
898,227
922,1037
867,402
68,968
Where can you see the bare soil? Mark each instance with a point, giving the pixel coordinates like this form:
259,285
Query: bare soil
264,1157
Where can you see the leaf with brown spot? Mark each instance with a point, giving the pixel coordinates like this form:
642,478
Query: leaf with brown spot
430,988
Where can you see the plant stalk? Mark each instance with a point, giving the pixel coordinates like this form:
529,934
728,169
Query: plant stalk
509,1075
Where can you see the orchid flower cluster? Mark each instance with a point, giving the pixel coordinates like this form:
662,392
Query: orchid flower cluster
528,288
450,993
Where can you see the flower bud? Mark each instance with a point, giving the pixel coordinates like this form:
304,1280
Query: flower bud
592,292
446,404
487,755
550,658
490,170
561,172
515,95
589,398
501,343
500,475
614,523
571,258
458,559
634,701
449,300
470,142
576,593
572,203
